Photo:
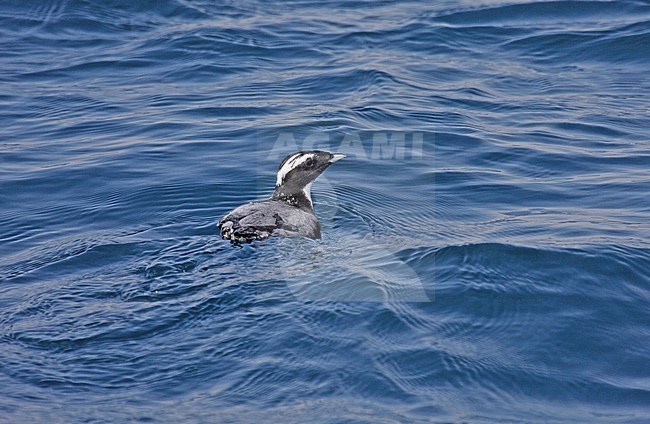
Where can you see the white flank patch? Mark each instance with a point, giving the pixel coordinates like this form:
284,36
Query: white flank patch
290,164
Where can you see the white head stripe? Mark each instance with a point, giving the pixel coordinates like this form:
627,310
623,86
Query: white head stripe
291,163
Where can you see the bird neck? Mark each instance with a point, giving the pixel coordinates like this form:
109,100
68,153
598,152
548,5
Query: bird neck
300,198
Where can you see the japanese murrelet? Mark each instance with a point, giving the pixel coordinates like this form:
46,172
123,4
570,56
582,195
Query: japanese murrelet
289,212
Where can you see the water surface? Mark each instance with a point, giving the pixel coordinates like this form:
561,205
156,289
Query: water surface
498,271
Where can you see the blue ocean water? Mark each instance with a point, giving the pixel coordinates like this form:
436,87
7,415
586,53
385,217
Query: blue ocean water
486,244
